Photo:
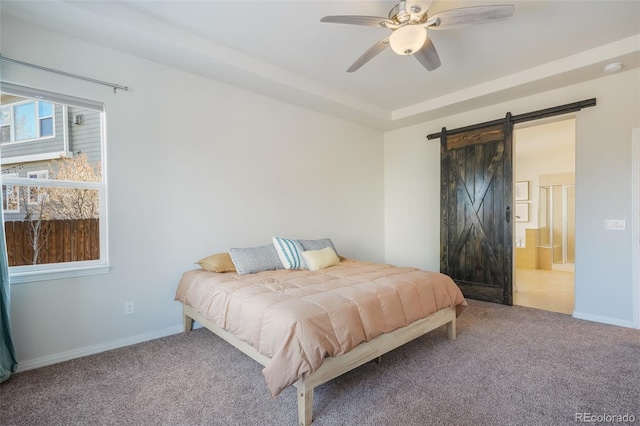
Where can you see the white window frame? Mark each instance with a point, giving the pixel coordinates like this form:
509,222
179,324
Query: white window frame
42,272
12,128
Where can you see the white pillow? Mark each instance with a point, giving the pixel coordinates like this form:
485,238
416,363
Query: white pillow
289,253
320,259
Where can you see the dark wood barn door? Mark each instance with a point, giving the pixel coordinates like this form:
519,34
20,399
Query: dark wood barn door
476,229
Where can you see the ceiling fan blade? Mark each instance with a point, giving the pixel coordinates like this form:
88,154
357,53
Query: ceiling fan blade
469,15
428,56
369,54
368,21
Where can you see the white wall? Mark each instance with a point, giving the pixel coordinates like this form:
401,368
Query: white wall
603,184
194,167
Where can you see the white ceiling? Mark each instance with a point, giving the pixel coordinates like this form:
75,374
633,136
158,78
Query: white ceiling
281,49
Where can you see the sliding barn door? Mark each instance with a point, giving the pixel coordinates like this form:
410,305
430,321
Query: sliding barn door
476,228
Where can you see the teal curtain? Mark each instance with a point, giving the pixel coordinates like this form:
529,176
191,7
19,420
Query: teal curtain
8,362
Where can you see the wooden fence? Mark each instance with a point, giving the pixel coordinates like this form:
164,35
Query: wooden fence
64,241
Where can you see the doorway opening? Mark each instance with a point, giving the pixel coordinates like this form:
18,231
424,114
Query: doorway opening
544,231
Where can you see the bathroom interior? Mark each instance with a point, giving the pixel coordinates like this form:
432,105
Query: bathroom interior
544,234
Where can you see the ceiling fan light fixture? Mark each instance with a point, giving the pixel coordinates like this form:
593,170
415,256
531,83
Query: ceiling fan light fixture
408,39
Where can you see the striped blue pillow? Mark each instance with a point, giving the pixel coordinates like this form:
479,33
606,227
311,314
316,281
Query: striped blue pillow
290,253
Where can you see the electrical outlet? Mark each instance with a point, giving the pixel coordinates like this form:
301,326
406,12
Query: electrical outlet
128,308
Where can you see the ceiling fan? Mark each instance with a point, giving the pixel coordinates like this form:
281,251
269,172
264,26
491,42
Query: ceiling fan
409,21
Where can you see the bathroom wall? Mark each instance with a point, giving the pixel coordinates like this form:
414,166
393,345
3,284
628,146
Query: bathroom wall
541,149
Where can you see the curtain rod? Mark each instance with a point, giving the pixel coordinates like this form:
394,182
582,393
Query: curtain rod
68,74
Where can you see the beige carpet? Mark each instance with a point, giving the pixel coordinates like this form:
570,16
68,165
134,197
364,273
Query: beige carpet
509,365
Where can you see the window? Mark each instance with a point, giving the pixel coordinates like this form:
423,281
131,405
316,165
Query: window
54,207
26,120
10,200
5,124
45,118
36,194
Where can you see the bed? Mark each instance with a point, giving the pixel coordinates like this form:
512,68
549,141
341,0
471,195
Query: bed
308,327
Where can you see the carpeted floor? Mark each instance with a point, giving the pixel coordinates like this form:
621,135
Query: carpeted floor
508,366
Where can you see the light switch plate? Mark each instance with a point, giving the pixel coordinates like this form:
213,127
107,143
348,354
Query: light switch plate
614,224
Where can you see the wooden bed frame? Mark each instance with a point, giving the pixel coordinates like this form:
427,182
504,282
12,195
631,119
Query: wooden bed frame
333,367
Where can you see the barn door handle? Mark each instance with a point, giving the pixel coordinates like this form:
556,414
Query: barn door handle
508,214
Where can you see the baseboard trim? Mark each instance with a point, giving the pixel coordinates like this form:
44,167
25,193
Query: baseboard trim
102,347
603,319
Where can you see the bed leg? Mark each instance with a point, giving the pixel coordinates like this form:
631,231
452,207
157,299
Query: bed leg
188,324
451,329
305,405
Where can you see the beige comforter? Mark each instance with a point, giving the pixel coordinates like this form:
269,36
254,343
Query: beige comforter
299,317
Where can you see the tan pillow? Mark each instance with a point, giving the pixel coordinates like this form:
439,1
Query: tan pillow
219,262
320,259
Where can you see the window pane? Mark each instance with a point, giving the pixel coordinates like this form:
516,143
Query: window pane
36,194
5,134
63,226
78,168
46,127
45,109
5,116
25,121
10,200
10,195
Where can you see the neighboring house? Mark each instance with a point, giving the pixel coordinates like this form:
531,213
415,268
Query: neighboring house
34,135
